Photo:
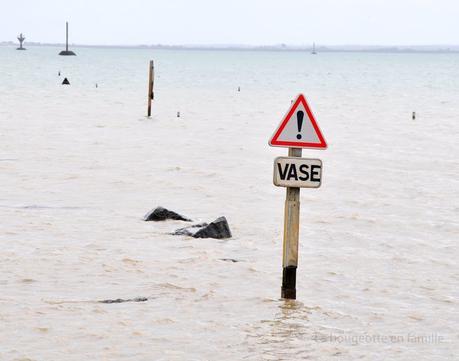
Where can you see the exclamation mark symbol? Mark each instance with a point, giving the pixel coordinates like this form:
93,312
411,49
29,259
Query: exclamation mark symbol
299,120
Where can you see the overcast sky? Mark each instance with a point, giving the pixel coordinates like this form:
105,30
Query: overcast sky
294,22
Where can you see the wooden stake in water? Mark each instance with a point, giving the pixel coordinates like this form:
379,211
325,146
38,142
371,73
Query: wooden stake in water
291,236
151,77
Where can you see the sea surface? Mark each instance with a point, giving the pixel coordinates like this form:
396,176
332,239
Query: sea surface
81,165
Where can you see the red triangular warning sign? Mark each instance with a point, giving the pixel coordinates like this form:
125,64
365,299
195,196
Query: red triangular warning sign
299,128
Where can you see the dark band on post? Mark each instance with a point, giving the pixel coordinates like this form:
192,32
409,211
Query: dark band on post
289,283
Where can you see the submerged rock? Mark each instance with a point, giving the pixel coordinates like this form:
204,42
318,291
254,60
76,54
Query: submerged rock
161,214
218,229
229,260
121,300
190,230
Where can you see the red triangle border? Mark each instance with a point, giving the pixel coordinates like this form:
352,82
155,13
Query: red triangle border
277,143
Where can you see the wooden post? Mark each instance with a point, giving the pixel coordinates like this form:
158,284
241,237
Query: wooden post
151,77
291,235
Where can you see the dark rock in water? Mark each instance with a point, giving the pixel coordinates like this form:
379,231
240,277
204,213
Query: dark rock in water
161,214
120,300
65,82
229,260
189,231
218,229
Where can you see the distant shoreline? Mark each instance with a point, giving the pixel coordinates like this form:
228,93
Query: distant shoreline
448,49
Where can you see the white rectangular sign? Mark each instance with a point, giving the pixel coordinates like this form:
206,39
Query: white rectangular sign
297,172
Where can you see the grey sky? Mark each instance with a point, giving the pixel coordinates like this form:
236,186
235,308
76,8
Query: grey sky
294,22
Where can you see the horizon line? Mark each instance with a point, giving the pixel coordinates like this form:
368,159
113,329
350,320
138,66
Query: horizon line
278,46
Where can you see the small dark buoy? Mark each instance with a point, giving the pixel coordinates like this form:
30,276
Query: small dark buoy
178,114
66,82
97,85
238,88
414,115
59,73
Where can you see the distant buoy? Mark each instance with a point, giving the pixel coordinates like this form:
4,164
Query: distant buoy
97,85
238,88
414,115
66,82
59,73
178,114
